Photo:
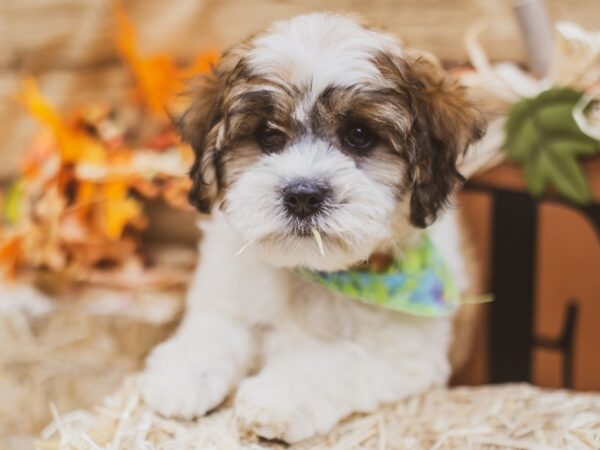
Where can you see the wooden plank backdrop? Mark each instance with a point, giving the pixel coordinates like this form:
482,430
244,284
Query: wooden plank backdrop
68,45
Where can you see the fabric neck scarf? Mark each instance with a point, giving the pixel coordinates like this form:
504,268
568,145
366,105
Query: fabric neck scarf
417,283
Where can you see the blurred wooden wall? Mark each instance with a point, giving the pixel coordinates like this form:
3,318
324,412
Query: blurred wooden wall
67,44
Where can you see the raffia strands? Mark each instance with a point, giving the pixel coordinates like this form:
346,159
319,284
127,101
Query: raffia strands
514,416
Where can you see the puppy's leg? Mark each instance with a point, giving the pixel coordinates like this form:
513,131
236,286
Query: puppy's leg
193,372
211,352
311,385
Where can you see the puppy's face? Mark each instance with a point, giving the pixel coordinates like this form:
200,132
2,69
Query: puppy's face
323,124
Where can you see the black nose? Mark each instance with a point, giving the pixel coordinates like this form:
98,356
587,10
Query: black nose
304,198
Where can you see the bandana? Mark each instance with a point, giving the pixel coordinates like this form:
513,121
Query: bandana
418,283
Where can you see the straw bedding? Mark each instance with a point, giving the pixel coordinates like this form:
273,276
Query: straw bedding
72,349
69,353
514,416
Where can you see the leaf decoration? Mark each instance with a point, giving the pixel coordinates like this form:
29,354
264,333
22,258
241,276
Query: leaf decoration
78,207
74,145
158,77
13,203
119,209
542,136
10,253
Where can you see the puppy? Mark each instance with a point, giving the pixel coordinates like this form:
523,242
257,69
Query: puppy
318,143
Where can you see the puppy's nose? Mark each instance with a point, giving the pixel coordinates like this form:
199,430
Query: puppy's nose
304,198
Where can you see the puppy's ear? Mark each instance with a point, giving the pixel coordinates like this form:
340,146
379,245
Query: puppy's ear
199,126
444,124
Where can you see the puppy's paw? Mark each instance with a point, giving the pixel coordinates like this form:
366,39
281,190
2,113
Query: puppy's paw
271,409
180,384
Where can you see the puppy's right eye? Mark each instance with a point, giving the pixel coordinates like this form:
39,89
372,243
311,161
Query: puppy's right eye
269,138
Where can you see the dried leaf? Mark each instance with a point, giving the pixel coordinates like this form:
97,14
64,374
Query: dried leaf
118,209
74,145
175,193
74,207
204,63
12,204
155,76
10,254
158,79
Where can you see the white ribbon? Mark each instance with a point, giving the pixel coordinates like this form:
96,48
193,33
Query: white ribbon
588,122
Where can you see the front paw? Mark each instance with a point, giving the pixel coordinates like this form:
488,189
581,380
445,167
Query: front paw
271,409
179,383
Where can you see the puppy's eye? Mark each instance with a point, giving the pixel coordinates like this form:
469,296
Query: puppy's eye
359,137
270,138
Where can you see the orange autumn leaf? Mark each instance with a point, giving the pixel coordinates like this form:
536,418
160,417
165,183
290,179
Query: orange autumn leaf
202,64
154,75
85,193
80,147
10,254
38,106
157,76
74,145
118,209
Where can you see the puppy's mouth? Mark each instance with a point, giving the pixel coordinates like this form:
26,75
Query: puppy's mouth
307,232
314,235
305,228
302,232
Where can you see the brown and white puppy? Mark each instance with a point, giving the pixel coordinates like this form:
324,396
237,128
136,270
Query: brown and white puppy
319,123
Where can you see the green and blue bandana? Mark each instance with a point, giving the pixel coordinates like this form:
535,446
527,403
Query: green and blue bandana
419,283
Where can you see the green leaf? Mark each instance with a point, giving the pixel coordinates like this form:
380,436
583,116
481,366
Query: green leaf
542,136
535,172
568,179
574,147
12,203
525,138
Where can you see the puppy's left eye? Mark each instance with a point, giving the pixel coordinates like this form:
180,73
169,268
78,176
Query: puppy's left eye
270,138
359,137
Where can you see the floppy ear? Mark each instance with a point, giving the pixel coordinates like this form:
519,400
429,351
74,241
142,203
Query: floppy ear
199,125
444,124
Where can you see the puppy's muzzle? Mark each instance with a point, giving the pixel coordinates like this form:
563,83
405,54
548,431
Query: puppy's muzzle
303,199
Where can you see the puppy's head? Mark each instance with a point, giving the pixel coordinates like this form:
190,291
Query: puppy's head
321,123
